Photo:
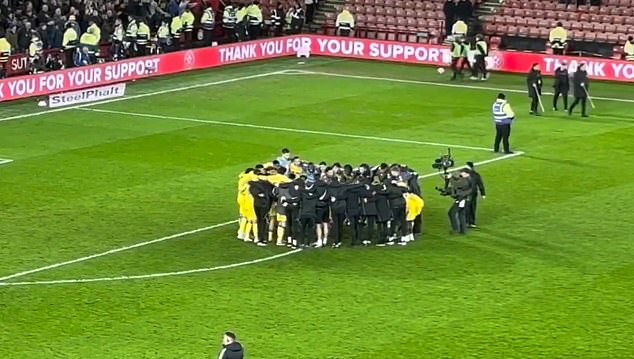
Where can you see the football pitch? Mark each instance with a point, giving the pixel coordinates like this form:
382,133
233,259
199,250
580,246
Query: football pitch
118,222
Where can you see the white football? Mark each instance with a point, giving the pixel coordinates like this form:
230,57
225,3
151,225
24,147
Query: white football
441,70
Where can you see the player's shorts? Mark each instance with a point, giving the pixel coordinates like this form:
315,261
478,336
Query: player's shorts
323,215
280,218
410,217
247,208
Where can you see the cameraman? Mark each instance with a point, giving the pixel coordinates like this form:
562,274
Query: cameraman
477,187
459,188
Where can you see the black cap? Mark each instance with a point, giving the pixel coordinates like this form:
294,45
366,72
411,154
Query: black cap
470,164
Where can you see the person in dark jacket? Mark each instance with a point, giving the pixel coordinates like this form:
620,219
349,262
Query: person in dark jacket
292,211
368,212
307,214
581,87
449,9
398,225
352,194
534,84
383,212
231,348
322,213
262,192
477,187
561,85
336,190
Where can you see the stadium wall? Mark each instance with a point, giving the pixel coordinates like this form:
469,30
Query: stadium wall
14,88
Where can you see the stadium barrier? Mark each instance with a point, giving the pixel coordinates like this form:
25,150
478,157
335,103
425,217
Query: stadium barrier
158,65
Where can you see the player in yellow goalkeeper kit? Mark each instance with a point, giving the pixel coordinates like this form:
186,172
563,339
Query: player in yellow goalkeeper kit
245,205
415,206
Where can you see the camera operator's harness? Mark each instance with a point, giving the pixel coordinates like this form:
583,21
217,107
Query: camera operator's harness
443,164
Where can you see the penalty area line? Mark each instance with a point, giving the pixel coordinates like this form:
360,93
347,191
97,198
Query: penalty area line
113,251
153,275
4,161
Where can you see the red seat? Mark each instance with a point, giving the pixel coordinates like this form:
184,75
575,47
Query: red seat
388,3
613,38
390,22
379,11
410,13
380,21
616,11
399,12
589,36
523,31
533,32
594,10
560,7
628,11
572,16
539,14
421,14
411,23
542,23
507,11
419,5
597,27
586,26
532,23
577,26
604,10
549,6
369,2
409,4
584,18
610,28
358,9
389,11
521,21
618,20
370,10
399,4
629,21
583,8
543,33
512,30
602,37
401,24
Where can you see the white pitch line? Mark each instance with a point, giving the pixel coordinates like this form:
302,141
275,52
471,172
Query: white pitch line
116,250
286,129
154,275
4,161
430,83
125,98
481,163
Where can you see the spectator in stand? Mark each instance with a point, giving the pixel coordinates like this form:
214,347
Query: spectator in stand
310,10
628,49
277,19
69,43
297,19
24,37
255,19
12,37
44,15
43,35
187,21
82,57
345,22
5,52
450,13
464,9
459,29
54,35
558,39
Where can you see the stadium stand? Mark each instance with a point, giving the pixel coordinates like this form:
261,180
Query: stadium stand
402,20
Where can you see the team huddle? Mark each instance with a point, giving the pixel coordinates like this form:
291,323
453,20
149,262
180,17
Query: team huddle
295,203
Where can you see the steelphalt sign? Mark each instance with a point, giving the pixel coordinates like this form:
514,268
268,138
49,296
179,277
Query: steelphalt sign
88,95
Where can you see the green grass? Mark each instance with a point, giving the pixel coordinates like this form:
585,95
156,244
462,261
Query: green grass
549,275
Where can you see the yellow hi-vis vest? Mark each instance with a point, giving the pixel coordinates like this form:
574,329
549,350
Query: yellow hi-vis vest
241,14
131,31
558,37
629,51
163,32
207,20
345,20
187,20
143,34
255,14
229,17
88,39
176,27
95,30
5,49
70,38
